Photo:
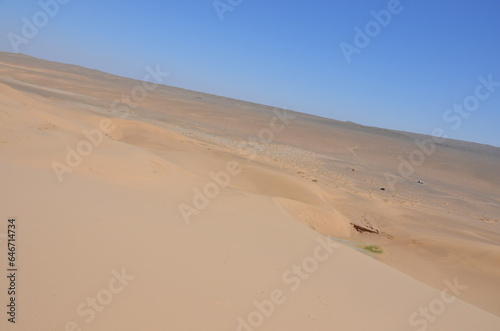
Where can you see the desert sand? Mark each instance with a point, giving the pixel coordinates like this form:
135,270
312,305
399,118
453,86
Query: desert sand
178,210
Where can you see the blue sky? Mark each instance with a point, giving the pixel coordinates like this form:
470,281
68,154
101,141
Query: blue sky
427,58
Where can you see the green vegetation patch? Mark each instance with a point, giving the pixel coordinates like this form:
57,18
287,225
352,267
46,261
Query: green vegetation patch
374,249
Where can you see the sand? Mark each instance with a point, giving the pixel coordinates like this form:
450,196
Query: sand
189,211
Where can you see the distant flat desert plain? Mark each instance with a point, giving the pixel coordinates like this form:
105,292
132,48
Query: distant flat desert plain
134,205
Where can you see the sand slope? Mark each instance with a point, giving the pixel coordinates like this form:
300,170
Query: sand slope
117,212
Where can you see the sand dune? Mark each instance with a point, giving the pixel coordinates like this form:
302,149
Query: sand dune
177,217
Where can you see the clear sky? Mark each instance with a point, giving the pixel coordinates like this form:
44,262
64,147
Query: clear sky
415,66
